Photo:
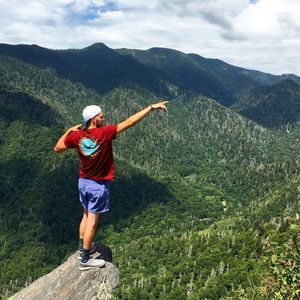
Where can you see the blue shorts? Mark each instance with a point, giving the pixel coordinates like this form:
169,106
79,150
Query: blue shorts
94,195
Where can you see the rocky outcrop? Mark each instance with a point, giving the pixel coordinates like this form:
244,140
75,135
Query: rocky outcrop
67,282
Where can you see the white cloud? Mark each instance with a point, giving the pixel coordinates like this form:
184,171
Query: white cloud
28,11
260,34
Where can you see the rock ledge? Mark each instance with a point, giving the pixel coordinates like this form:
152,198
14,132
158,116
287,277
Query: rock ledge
67,282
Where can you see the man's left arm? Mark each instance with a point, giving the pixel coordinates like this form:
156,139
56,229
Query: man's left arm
134,119
60,145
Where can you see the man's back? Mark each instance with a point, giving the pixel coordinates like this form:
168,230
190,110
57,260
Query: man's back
94,147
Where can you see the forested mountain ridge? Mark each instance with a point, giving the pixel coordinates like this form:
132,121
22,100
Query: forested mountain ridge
272,106
97,67
209,77
160,70
185,70
203,197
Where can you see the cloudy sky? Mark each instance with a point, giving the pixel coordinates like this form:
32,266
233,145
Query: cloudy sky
255,34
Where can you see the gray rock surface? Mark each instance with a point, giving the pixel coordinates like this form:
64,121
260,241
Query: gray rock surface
67,282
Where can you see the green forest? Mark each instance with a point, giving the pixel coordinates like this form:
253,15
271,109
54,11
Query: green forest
205,204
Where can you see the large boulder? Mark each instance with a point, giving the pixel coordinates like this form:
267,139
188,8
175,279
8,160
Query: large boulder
67,282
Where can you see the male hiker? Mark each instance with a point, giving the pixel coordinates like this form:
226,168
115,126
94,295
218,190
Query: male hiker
93,142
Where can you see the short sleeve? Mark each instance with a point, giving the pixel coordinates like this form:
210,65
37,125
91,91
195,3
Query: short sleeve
110,131
70,140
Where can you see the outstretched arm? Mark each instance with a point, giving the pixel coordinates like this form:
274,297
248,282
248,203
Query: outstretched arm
60,145
131,121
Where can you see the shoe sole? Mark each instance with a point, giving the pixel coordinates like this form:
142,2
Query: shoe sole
85,268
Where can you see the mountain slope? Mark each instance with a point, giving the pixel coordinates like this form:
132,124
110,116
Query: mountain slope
230,258
272,106
209,77
97,67
184,70
164,72
269,79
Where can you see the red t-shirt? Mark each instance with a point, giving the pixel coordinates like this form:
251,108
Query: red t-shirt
94,147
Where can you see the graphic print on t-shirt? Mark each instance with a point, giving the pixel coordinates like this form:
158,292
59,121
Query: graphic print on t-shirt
89,147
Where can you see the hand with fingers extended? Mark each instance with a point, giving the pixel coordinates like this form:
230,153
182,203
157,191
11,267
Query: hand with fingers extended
160,105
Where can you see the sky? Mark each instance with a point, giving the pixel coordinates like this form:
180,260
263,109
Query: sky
255,34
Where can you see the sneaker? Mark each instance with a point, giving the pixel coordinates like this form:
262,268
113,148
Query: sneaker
91,263
92,250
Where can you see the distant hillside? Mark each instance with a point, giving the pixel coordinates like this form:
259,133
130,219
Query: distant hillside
209,77
269,79
272,106
185,70
164,72
97,67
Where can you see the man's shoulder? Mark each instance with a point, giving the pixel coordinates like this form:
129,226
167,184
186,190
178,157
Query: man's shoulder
71,141
109,131
75,134
108,128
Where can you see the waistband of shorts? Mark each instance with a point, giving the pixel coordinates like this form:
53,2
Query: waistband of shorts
91,180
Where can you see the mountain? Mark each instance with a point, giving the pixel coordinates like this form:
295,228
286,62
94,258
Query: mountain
164,72
209,77
97,67
204,204
269,79
274,105
196,73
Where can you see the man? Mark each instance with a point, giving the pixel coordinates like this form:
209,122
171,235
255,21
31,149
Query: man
93,142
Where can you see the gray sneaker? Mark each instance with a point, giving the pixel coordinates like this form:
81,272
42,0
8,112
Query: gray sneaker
91,263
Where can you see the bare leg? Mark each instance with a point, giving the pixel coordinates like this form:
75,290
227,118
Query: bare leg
83,222
90,229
